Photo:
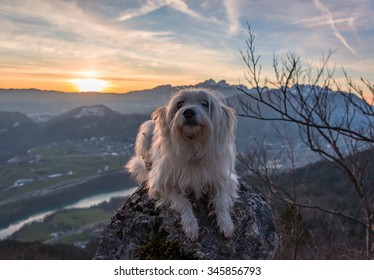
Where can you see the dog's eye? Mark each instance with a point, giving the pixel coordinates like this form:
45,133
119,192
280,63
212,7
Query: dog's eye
180,104
204,103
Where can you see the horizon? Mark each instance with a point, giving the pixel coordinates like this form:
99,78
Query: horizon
101,92
150,89
369,99
112,47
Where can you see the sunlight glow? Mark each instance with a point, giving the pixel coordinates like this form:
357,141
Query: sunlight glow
90,84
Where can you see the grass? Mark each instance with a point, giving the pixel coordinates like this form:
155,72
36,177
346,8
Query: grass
70,222
80,217
83,173
71,167
86,170
59,198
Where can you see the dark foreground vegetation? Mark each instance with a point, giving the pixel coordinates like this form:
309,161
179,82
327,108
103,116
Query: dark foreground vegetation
16,250
321,222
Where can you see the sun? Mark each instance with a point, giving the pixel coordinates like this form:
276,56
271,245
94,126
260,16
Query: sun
90,84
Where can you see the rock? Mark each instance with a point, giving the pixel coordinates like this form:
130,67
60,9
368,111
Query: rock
141,231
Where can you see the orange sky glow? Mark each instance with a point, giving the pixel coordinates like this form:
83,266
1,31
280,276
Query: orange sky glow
121,46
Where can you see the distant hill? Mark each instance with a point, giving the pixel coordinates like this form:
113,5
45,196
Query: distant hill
9,120
92,121
17,133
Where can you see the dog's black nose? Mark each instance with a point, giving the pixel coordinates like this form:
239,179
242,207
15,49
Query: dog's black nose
189,114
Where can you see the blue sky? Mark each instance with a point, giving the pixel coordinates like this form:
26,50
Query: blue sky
141,44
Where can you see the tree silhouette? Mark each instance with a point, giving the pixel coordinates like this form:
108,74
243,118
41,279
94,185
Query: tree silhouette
336,125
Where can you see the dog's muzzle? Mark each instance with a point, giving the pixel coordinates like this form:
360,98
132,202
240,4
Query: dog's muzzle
189,115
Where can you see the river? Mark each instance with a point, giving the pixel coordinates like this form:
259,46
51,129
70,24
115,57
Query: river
84,203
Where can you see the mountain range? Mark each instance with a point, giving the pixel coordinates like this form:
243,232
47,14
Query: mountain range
41,105
31,117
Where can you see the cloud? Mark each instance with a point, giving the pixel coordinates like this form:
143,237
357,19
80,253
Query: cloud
72,38
332,24
232,11
347,23
148,7
64,37
153,5
183,8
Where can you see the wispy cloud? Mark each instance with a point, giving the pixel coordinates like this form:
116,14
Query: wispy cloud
232,11
330,20
73,38
148,7
347,23
194,40
153,5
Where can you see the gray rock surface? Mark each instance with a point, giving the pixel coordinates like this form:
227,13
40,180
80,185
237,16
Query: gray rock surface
140,231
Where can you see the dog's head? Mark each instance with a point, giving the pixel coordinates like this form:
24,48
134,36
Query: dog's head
196,117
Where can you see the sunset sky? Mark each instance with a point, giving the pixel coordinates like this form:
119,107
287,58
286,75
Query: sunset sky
119,46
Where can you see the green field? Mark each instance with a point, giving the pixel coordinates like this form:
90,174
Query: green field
70,226
52,165
59,174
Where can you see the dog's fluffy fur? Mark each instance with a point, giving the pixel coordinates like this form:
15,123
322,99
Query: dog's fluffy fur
188,149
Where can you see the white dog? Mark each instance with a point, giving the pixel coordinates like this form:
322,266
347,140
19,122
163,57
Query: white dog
188,149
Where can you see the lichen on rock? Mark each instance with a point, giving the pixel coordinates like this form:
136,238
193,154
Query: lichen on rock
139,230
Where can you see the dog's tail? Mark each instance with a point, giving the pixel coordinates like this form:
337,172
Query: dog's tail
137,169
140,164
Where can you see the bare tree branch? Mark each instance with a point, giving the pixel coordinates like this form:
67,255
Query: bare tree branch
337,126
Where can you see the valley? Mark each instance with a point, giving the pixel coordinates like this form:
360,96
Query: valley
62,175
51,177
69,159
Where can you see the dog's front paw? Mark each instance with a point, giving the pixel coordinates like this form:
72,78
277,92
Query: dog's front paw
226,226
191,229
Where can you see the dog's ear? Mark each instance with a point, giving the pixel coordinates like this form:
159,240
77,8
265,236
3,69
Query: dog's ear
231,120
159,117
159,114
